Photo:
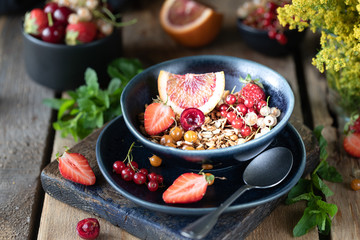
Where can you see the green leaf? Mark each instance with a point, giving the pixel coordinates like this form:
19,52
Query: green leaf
307,222
300,188
320,185
114,84
53,103
328,208
329,173
66,105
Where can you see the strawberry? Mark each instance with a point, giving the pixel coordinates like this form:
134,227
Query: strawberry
252,90
157,118
352,144
354,124
35,21
188,188
81,32
75,167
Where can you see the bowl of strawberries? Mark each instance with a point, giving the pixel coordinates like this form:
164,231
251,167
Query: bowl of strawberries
211,109
62,39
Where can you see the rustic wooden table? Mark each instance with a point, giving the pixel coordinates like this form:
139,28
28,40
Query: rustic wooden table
28,142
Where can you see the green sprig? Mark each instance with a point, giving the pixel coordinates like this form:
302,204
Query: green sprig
89,107
317,213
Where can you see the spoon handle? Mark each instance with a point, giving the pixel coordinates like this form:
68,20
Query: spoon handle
201,227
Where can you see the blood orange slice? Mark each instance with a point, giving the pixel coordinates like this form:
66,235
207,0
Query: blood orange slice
202,91
190,23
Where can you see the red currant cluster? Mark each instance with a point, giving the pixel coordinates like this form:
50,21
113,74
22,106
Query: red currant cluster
264,17
236,108
129,171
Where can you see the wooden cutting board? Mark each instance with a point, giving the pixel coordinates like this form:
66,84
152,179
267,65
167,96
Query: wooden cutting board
103,201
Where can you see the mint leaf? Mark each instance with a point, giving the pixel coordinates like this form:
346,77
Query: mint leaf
307,222
329,173
320,185
300,188
318,212
89,107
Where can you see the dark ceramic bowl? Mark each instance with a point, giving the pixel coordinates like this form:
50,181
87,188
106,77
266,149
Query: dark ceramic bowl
143,88
259,40
61,67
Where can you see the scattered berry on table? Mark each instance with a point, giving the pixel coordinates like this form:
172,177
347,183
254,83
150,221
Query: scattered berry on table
88,228
155,161
355,184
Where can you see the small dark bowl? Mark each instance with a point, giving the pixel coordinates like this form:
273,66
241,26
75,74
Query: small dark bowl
259,40
143,88
61,67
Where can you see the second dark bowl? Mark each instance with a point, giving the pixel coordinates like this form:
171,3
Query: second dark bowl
259,40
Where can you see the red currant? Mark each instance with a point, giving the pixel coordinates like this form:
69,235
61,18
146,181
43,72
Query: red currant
249,103
127,174
118,166
241,109
153,186
272,33
230,99
159,179
281,38
144,171
230,116
261,104
237,123
139,178
151,176
245,131
223,114
134,165
223,107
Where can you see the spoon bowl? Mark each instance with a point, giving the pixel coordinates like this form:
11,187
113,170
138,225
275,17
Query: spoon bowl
266,170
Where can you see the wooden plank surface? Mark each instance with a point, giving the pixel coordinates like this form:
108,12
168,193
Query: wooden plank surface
24,131
346,224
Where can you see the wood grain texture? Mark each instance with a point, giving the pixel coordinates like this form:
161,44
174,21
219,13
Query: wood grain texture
24,128
102,200
346,224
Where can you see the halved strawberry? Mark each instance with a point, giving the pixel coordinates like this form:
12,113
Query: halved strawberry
81,32
35,21
75,167
157,118
188,188
352,144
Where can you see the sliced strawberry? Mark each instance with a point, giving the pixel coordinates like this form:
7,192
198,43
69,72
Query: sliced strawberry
157,118
81,32
35,21
75,167
352,144
188,188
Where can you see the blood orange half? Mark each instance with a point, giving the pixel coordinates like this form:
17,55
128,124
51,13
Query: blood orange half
190,23
202,91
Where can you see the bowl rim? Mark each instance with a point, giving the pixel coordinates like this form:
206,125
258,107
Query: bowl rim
220,151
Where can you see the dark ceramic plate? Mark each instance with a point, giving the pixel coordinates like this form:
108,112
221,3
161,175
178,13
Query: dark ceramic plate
115,140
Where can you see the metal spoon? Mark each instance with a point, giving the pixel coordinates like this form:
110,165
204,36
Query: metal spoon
266,170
